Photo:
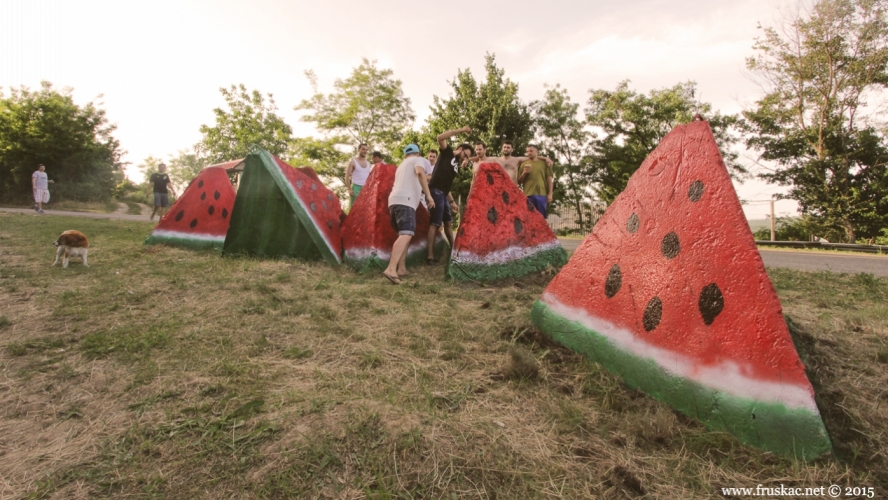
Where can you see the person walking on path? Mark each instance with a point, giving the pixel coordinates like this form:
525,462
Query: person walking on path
40,186
441,203
162,185
537,180
356,172
410,183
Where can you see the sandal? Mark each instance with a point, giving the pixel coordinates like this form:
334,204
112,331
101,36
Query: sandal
394,279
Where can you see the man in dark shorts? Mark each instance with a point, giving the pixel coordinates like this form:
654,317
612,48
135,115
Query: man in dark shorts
446,168
162,189
410,185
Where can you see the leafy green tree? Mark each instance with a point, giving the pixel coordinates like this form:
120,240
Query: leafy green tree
74,142
491,108
367,107
185,166
251,118
812,123
632,125
563,137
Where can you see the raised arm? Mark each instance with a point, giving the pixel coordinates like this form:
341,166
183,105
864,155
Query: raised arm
442,139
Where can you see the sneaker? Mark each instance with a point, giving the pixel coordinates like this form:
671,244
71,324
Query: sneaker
152,217
39,211
36,209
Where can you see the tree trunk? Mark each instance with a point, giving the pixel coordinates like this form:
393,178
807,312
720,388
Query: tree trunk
849,231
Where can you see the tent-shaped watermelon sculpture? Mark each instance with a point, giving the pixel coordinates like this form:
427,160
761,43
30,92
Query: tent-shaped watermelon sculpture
281,211
199,219
367,233
670,293
501,235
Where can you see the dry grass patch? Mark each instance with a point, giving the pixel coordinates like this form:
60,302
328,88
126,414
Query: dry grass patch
161,372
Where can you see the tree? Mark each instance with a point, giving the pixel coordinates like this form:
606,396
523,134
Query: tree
812,122
491,108
633,125
74,142
250,120
563,137
367,107
185,166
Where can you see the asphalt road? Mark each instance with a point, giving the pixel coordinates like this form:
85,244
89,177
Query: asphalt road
805,261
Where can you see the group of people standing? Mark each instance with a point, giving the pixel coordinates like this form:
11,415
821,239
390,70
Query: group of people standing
430,180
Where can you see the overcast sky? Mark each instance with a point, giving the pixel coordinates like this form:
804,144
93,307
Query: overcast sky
159,64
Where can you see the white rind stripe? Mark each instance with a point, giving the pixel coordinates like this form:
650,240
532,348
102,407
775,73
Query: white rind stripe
186,236
505,255
726,376
365,253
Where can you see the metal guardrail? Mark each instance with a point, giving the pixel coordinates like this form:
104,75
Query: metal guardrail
879,249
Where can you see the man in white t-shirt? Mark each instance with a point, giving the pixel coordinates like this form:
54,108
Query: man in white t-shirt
40,185
357,171
410,184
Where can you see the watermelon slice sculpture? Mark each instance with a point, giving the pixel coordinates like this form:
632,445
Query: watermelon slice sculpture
501,234
367,233
199,219
281,211
670,293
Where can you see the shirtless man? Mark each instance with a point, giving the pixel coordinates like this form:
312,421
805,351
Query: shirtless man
507,161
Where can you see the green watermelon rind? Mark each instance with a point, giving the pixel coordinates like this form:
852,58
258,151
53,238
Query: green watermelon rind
475,269
374,260
330,254
777,427
193,241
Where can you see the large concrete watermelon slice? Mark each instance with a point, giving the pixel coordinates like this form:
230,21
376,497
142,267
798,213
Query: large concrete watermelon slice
367,233
501,234
200,217
670,293
281,211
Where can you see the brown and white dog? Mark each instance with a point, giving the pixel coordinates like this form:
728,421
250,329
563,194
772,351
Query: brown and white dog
71,244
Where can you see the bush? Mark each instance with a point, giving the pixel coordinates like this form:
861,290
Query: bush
800,229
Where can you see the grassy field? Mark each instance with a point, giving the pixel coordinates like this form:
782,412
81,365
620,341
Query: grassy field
165,373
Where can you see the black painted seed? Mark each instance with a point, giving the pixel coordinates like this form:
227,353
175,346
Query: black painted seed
193,223
211,210
203,196
217,195
614,281
299,184
652,314
519,226
695,192
329,196
633,223
324,203
461,232
711,303
490,179
180,215
492,215
200,184
670,246
314,187
224,213
313,206
530,206
330,224
505,197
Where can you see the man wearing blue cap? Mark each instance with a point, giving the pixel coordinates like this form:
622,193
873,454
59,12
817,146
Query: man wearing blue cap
410,184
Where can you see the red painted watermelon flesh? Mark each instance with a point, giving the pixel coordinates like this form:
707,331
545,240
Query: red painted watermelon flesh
501,230
367,233
200,217
671,276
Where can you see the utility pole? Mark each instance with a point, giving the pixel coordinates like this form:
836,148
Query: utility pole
773,224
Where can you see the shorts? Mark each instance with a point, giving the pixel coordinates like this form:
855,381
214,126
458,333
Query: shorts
41,196
161,199
355,191
540,203
403,219
441,213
